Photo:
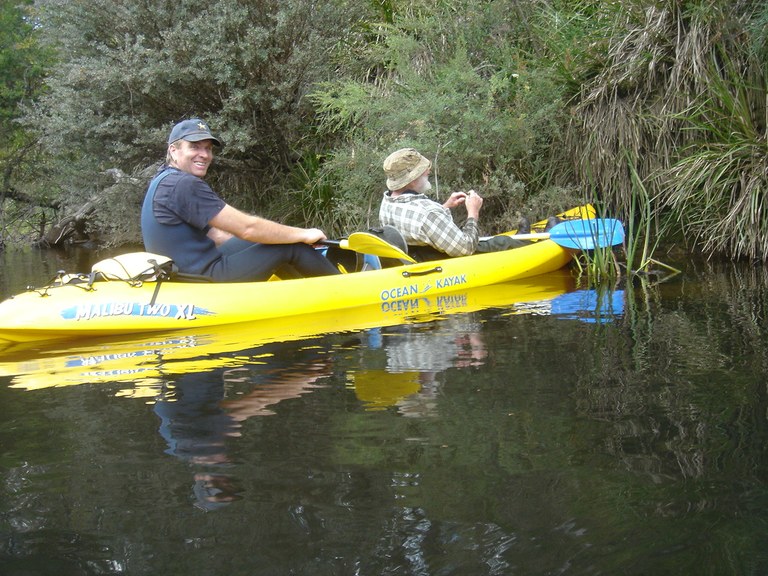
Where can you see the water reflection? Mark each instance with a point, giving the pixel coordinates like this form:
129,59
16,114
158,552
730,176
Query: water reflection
145,359
592,306
201,411
203,385
415,358
417,355
561,444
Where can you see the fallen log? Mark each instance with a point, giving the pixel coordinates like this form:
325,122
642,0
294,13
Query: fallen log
66,228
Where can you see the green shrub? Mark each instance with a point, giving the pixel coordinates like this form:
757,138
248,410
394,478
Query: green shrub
486,124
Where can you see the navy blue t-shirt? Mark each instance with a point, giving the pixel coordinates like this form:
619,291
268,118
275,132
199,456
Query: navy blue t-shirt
183,197
177,224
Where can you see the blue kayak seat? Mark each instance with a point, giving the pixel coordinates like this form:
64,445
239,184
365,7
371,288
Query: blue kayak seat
370,262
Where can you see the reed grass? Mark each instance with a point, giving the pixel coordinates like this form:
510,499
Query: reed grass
673,126
716,191
599,266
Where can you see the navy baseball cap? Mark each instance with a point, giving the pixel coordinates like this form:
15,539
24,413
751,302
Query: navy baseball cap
193,130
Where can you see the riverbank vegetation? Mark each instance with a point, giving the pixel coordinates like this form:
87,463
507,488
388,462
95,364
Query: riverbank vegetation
653,111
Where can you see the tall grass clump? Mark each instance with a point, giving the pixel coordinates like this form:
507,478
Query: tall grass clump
619,109
716,190
599,267
672,129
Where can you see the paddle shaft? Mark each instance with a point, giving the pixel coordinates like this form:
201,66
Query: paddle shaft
575,234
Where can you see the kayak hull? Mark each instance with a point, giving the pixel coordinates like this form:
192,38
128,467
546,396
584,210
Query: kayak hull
143,360
107,308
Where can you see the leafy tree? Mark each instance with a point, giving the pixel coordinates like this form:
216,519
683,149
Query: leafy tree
458,81
22,62
129,70
22,67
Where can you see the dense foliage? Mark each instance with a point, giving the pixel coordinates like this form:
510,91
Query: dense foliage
129,70
460,82
653,110
23,65
672,121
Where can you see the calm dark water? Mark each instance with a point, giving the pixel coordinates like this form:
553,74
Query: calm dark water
569,435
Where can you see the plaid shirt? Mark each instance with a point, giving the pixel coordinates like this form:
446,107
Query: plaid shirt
424,222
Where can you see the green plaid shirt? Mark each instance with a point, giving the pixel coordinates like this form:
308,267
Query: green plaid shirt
424,222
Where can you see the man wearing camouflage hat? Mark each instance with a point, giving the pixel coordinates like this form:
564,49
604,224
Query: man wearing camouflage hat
426,223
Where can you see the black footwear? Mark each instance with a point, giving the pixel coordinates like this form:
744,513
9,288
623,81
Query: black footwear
552,221
524,227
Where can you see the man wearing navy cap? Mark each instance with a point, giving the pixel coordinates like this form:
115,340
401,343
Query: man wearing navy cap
184,219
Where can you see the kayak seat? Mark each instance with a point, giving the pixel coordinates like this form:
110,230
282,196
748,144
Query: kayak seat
393,236
348,260
371,262
426,253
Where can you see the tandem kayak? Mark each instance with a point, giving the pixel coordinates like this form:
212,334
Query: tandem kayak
79,305
142,361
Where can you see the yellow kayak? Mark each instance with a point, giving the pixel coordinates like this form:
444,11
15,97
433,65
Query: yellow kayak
143,361
74,308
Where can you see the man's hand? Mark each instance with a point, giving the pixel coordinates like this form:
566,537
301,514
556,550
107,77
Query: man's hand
313,236
456,199
473,203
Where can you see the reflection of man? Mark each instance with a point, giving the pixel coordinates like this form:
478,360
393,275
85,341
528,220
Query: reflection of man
213,491
195,429
197,422
419,354
192,423
436,347
289,383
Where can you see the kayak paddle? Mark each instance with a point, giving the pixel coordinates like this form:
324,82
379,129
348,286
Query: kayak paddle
367,243
576,234
581,234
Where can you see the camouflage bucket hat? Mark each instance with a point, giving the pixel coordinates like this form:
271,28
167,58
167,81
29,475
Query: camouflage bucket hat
403,167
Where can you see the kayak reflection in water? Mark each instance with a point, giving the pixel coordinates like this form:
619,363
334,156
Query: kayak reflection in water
197,420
